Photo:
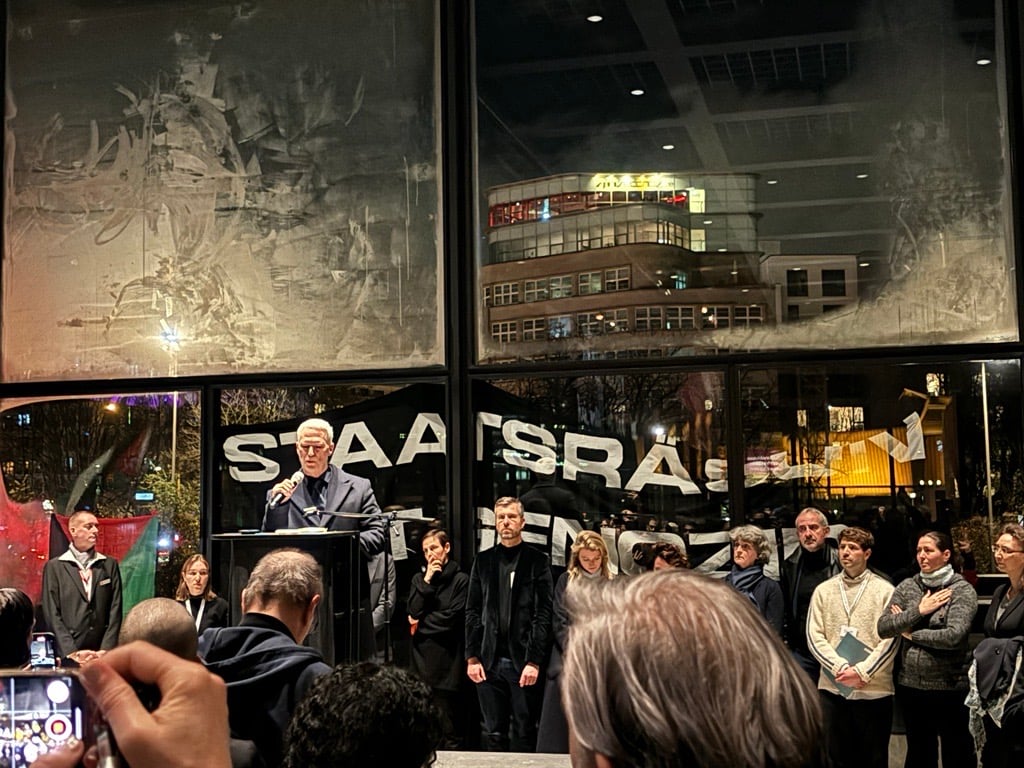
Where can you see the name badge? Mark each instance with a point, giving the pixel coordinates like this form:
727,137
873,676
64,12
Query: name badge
846,629
104,582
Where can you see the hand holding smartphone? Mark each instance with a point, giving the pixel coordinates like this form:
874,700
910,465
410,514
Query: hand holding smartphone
40,710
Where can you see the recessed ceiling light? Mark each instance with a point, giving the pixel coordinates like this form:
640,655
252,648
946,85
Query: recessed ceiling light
722,250
862,175
865,264
594,19
708,221
668,147
772,181
637,92
984,61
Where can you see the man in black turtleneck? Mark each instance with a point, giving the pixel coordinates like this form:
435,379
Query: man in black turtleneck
814,562
508,631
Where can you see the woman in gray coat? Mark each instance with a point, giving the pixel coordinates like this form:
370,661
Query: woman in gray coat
933,611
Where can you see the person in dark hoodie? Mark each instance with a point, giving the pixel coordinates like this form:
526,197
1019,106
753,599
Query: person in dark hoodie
267,670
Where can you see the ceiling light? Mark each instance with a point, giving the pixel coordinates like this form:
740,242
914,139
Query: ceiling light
637,92
708,221
667,147
862,175
865,264
722,250
984,61
772,181
594,19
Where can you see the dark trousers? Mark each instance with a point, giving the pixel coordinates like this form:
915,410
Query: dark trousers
857,730
931,716
504,703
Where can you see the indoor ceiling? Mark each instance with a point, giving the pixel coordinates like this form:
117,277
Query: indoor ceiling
804,93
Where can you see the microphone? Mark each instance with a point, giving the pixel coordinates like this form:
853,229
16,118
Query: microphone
278,497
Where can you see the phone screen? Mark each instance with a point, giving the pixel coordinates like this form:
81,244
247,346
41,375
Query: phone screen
43,652
38,712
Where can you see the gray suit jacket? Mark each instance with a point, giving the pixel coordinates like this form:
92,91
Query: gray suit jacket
346,494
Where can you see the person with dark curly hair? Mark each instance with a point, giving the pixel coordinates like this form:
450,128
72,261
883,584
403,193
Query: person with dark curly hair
361,715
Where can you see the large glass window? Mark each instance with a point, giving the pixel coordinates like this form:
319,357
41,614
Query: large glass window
857,210
876,446
131,459
629,455
219,192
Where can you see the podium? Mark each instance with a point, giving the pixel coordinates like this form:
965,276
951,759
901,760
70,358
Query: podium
338,632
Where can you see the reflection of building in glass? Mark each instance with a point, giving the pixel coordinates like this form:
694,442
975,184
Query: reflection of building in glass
573,261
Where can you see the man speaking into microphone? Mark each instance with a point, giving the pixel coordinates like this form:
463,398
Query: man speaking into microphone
323,495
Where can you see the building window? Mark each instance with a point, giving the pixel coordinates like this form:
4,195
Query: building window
679,318
793,312
616,279
559,327
561,286
535,290
590,282
504,331
833,282
589,323
506,293
487,295
616,321
745,316
845,418
680,281
649,319
714,317
535,329
796,282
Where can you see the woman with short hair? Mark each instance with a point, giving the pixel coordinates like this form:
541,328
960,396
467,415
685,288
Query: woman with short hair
750,554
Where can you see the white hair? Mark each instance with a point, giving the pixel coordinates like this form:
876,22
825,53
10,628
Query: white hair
320,425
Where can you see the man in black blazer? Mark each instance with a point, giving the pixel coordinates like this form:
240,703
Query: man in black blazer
324,493
82,593
508,631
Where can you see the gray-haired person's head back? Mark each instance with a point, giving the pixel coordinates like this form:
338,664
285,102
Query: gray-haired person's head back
287,576
674,668
163,622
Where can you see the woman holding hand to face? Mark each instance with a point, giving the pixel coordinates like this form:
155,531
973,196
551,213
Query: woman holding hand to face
933,611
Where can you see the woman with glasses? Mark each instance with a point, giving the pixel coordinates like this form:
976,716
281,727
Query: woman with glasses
996,698
589,564
933,611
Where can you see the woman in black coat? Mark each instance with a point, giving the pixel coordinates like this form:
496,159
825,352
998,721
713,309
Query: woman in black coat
1004,621
206,609
588,562
437,621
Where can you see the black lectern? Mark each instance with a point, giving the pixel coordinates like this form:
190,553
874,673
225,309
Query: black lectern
337,634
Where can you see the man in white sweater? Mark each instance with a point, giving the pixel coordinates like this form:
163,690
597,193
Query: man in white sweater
855,683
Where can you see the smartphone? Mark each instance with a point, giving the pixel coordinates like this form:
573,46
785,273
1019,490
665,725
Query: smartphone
40,710
44,651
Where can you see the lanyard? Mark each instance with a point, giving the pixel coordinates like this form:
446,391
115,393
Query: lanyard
846,601
199,613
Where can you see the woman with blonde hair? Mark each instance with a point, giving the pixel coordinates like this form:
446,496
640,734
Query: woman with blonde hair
589,565
194,593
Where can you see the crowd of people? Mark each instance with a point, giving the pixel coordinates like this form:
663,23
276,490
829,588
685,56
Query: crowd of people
667,668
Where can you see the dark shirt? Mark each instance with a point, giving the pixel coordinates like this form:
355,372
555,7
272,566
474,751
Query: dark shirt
508,557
